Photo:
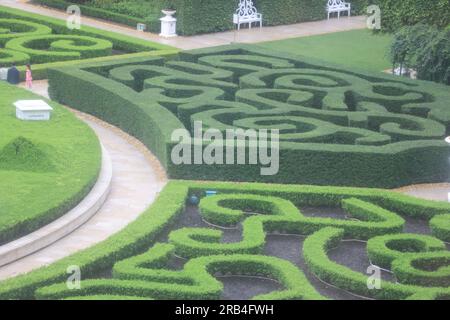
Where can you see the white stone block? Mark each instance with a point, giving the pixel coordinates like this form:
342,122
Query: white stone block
3,73
32,110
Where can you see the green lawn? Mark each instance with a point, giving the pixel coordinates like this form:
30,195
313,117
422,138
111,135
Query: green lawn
357,48
46,167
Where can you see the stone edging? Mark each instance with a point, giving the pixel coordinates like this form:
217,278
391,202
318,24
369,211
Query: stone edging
64,225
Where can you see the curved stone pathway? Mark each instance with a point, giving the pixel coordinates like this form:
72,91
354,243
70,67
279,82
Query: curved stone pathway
137,179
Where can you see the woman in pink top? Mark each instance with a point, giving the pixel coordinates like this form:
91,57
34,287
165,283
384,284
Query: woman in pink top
29,77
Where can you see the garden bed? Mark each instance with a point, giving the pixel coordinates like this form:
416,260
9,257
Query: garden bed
338,126
43,41
173,252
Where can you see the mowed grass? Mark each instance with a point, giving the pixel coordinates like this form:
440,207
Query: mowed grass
46,167
360,49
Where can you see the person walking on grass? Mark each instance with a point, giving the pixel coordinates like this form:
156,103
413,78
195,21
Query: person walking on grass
29,77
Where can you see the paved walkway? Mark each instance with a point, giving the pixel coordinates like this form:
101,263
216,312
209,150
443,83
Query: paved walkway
137,179
214,39
437,191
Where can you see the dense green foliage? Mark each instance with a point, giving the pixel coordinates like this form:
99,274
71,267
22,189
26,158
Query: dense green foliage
46,168
425,49
337,126
315,250
145,276
382,250
440,225
128,12
50,48
30,38
396,14
141,268
216,15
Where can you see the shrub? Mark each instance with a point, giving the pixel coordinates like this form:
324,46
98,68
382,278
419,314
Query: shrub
382,250
9,57
396,14
139,271
37,39
50,48
425,49
143,276
151,20
440,226
315,250
337,126
272,214
217,15
14,28
426,269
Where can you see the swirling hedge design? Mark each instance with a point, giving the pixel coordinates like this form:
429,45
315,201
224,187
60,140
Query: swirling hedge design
48,48
8,57
337,126
419,263
14,28
23,42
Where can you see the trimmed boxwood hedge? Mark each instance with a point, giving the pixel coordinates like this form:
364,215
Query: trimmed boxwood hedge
216,15
14,28
440,226
51,48
151,20
145,276
278,215
338,126
10,57
36,39
426,269
382,250
396,14
138,270
315,250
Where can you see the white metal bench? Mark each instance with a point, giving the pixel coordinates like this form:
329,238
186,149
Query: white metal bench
338,6
247,13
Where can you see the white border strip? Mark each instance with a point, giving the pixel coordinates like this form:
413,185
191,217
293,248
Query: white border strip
64,225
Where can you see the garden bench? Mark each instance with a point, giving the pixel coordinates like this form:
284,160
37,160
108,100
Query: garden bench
247,13
338,6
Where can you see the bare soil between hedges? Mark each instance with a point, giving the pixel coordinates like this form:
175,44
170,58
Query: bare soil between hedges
350,253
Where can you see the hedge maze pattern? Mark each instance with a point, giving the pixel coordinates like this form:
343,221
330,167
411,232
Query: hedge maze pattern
44,41
417,264
29,42
336,126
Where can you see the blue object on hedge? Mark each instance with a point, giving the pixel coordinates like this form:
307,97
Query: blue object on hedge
210,193
194,200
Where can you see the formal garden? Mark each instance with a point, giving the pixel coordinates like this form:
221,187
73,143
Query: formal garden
46,42
361,117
